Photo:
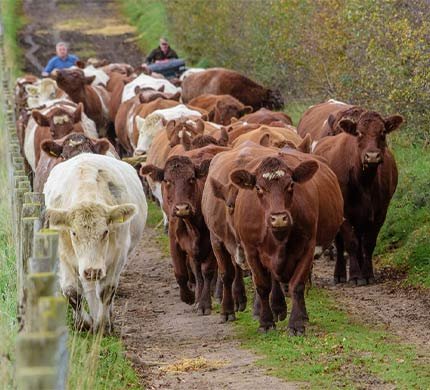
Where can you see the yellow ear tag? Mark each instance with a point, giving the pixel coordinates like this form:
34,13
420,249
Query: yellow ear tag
52,153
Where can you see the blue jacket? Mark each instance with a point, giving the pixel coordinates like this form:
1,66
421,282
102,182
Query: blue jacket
57,63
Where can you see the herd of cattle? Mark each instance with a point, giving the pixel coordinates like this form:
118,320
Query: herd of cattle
241,189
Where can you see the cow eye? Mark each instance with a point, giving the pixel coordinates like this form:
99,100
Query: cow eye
192,180
259,190
290,187
167,182
73,233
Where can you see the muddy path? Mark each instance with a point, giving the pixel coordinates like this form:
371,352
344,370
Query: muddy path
92,28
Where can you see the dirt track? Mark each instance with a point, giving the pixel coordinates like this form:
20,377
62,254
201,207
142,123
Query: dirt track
156,327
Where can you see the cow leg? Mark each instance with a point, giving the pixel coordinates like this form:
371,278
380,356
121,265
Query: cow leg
263,284
256,306
368,245
296,286
93,301
218,288
277,301
180,268
340,267
208,269
226,273
239,293
106,293
352,246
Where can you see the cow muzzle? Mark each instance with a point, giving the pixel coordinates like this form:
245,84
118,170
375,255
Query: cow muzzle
372,158
94,274
280,221
182,210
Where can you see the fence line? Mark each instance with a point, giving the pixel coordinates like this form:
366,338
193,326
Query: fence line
41,348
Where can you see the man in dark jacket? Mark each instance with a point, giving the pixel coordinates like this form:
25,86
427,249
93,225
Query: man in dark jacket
161,53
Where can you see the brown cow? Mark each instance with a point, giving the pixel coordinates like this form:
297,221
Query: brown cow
182,180
56,151
94,98
270,136
296,204
220,81
266,117
221,108
367,173
322,119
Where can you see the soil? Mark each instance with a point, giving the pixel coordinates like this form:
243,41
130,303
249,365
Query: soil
160,332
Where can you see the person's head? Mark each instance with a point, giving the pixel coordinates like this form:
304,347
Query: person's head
61,49
164,44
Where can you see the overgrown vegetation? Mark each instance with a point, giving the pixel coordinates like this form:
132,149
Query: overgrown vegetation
337,352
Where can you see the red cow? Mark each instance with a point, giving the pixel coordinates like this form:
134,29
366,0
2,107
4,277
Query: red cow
367,174
266,117
220,81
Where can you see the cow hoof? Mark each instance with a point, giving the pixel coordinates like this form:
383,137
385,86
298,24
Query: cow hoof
352,282
241,306
228,318
339,279
280,315
371,280
296,331
266,328
362,282
187,297
204,311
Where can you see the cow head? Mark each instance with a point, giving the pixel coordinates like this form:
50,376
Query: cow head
60,121
183,130
147,128
370,131
203,140
273,181
75,144
274,100
182,185
91,227
72,80
225,110
332,125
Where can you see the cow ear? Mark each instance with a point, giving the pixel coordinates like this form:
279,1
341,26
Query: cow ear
330,121
243,179
89,80
265,140
246,110
51,148
161,89
40,119
348,126
101,146
58,218
137,90
200,126
305,145
223,139
80,64
218,189
203,169
122,213
305,171
154,172
393,123
77,115
185,141
210,116
176,96
170,128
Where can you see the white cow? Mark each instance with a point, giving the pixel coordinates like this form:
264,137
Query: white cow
101,77
145,81
42,92
99,207
150,126
88,126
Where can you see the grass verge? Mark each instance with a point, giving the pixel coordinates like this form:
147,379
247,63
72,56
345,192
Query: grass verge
337,352
155,221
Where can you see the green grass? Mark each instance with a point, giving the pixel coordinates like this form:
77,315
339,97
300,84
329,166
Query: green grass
149,17
155,221
337,352
99,363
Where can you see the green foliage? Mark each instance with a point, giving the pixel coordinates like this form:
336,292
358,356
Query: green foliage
155,221
150,19
337,352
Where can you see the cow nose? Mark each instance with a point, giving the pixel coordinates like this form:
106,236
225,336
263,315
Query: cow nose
280,220
182,210
372,157
139,152
92,274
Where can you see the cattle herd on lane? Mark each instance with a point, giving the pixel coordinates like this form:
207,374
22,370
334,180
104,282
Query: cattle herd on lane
241,189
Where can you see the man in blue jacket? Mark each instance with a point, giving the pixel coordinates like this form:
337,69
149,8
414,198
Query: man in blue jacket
62,60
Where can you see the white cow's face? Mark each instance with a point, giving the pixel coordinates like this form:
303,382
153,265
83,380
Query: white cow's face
147,128
91,226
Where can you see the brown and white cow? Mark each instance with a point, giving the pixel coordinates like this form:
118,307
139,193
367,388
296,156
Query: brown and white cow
367,174
54,122
220,81
182,180
221,108
94,98
296,204
54,152
266,117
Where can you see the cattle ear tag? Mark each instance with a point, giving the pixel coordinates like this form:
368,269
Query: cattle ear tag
53,154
